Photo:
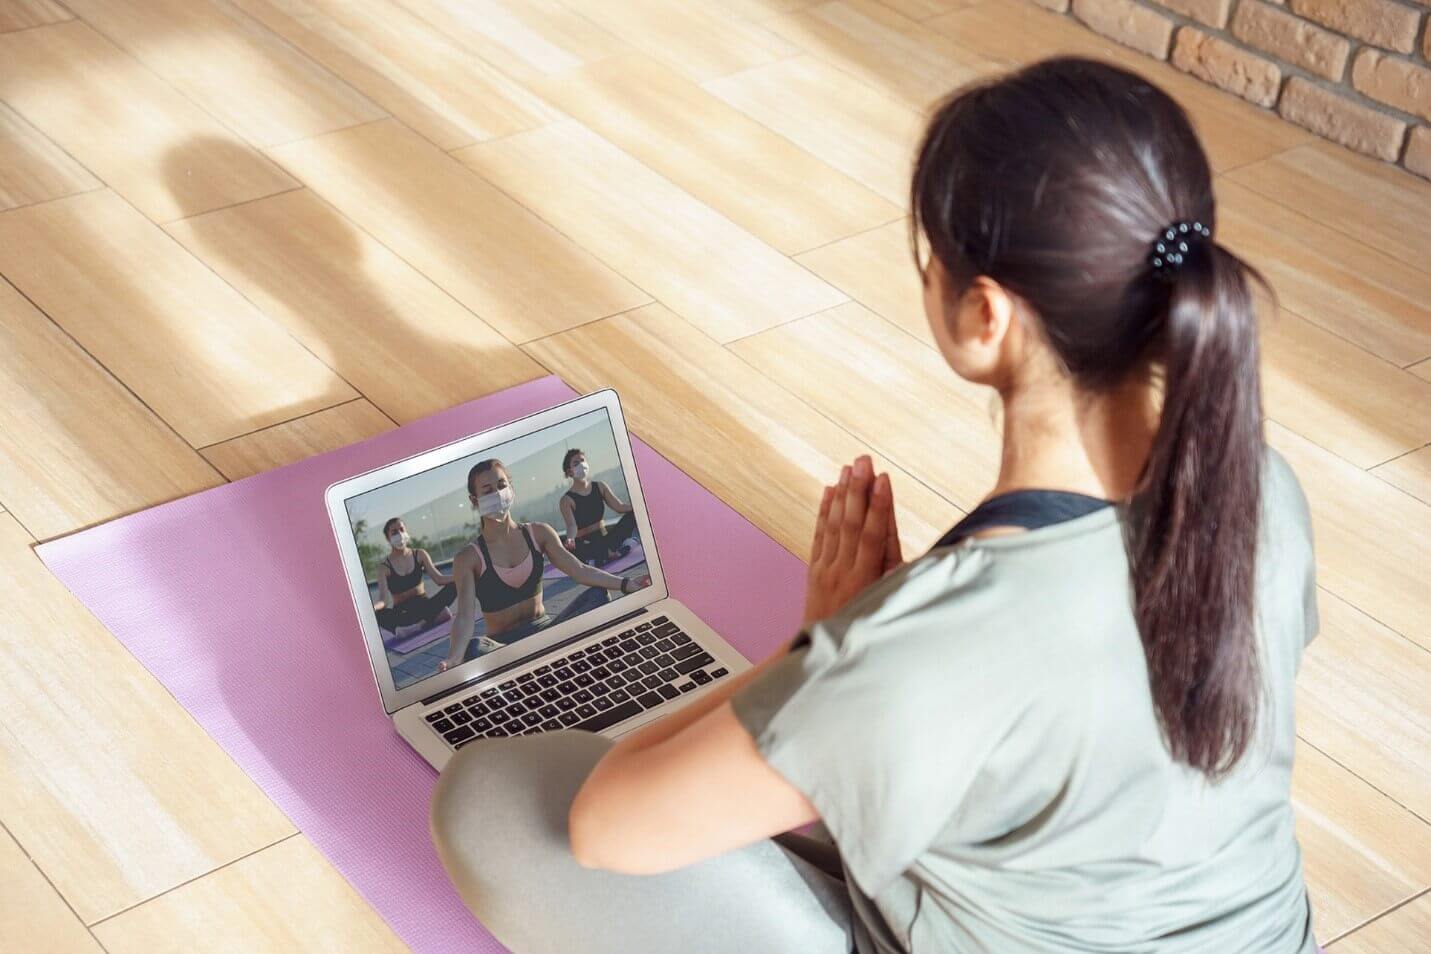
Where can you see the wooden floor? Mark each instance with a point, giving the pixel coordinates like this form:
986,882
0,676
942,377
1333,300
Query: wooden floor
234,233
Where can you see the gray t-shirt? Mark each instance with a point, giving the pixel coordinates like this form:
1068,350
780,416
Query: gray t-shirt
977,732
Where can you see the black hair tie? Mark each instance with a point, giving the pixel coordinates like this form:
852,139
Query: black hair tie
1172,244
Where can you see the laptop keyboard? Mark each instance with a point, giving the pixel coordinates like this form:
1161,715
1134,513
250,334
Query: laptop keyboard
593,688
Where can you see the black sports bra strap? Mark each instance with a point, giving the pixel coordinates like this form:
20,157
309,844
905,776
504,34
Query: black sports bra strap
1030,509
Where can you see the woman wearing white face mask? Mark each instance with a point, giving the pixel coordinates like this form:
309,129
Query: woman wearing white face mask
500,571
583,508
401,591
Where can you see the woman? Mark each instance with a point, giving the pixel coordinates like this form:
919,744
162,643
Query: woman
583,510
400,590
500,571
1068,726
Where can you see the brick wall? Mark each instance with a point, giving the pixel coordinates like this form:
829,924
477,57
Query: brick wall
1357,72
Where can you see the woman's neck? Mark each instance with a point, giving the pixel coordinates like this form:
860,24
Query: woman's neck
580,483
503,526
1055,439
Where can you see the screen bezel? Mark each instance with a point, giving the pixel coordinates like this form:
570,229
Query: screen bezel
337,496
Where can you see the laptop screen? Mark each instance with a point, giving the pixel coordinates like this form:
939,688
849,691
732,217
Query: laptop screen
489,549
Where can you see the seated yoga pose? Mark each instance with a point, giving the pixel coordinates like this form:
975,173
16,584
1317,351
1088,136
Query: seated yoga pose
583,510
500,571
401,591
1068,725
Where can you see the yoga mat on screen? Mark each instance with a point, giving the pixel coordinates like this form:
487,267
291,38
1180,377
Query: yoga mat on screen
234,599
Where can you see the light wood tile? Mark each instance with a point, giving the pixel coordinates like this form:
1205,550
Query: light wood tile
1422,370
705,268
1361,852
760,180
296,440
407,66
1411,472
1349,401
260,87
866,134
1372,201
701,40
515,271
876,269
395,336
888,51
284,898
23,14
1373,541
671,375
33,169
126,125
1362,699
193,349
76,448
31,913
112,788
1337,282
924,9
1407,930
524,39
1016,32
890,391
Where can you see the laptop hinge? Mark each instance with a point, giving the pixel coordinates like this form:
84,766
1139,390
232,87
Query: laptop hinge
469,683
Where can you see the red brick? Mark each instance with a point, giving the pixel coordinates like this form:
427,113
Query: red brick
1291,39
1234,69
1393,81
1341,120
1128,23
1383,22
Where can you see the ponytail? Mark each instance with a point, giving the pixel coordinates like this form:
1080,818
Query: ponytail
1195,534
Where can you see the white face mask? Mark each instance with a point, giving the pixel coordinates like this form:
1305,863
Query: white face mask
399,540
580,470
496,504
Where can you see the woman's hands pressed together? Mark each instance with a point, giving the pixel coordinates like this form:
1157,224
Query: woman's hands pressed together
856,541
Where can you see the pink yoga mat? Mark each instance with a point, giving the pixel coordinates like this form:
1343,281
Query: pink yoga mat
234,600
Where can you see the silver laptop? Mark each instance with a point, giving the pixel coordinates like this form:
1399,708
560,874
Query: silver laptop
580,632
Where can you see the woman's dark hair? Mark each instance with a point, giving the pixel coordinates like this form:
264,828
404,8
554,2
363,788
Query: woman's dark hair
1055,181
570,455
388,527
480,468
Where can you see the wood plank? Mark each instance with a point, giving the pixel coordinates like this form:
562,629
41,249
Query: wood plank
137,800
251,81
23,14
406,66
924,9
700,40
1407,930
877,270
31,912
33,169
193,349
525,39
284,898
866,134
404,343
1373,541
697,262
760,180
1328,278
130,128
1361,852
77,448
1411,472
1362,699
1349,401
514,270
671,375
888,51
1422,370
911,406
1233,131
297,440
1374,202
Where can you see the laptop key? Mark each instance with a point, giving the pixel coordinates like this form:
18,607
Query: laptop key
567,688
668,629
629,645
548,680
644,626
611,641
531,718
651,699
478,708
526,677
652,682
694,663
658,621
516,709
458,734
565,703
584,695
513,696
551,724
481,725
665,645
602,703
489,693
563,673
600,688
542,670
586,711
579,654
434,716
443,725
600,672
648,667
645,639
509,684
631,659
685,652
686,686
627,633
549,711
722,671
569,719
670,692
700,678
604,720
664,660
497,733
680,638
500,716
455,707
649,652
585,679
531,689
461,717
668,674
619,695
